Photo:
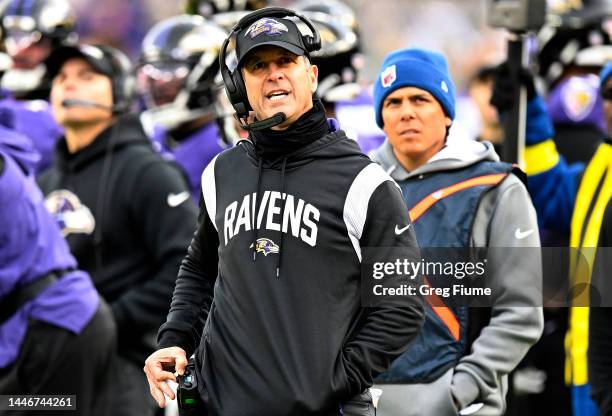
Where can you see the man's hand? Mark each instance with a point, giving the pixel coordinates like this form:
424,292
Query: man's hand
156,367
503,96
539,124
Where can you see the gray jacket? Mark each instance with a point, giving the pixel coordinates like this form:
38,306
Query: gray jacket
505,218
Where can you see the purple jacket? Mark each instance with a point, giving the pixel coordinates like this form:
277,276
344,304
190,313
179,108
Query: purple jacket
357,119
34,120
192,154
31,246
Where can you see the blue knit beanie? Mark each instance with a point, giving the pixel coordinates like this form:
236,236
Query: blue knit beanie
418,68
605,73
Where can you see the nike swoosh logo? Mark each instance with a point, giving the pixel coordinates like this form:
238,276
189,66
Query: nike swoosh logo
522,234
398,230
174,200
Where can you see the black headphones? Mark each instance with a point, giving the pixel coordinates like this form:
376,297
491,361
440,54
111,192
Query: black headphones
122,81
234,83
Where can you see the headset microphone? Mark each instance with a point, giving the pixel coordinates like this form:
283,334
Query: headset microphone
75,102
275,120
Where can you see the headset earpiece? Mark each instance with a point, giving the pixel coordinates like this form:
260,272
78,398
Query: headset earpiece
312,44
225,71
234,84
123,82
241,104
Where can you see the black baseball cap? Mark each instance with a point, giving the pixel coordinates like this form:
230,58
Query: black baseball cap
280,32
93,54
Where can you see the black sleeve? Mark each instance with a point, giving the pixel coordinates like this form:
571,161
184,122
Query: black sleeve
384,332
600,330
193,292
166,231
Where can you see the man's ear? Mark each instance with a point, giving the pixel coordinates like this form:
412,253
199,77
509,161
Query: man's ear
314,77
448,121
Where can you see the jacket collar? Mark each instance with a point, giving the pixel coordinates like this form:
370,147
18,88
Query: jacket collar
124,131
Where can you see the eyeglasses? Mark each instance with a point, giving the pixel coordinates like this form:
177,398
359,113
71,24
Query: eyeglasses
607,93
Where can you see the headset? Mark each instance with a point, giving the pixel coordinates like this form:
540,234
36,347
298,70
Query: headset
123,83
233,80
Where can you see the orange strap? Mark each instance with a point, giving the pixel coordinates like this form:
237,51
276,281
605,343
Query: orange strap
443,312
424,204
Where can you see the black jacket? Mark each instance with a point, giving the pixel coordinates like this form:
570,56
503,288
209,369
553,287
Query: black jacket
286,333
117,204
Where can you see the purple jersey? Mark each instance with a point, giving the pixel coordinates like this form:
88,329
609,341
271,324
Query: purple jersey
192,154
34,120
357,119
31,246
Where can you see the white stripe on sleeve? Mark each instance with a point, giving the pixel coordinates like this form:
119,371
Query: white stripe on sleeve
209,190
358,199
